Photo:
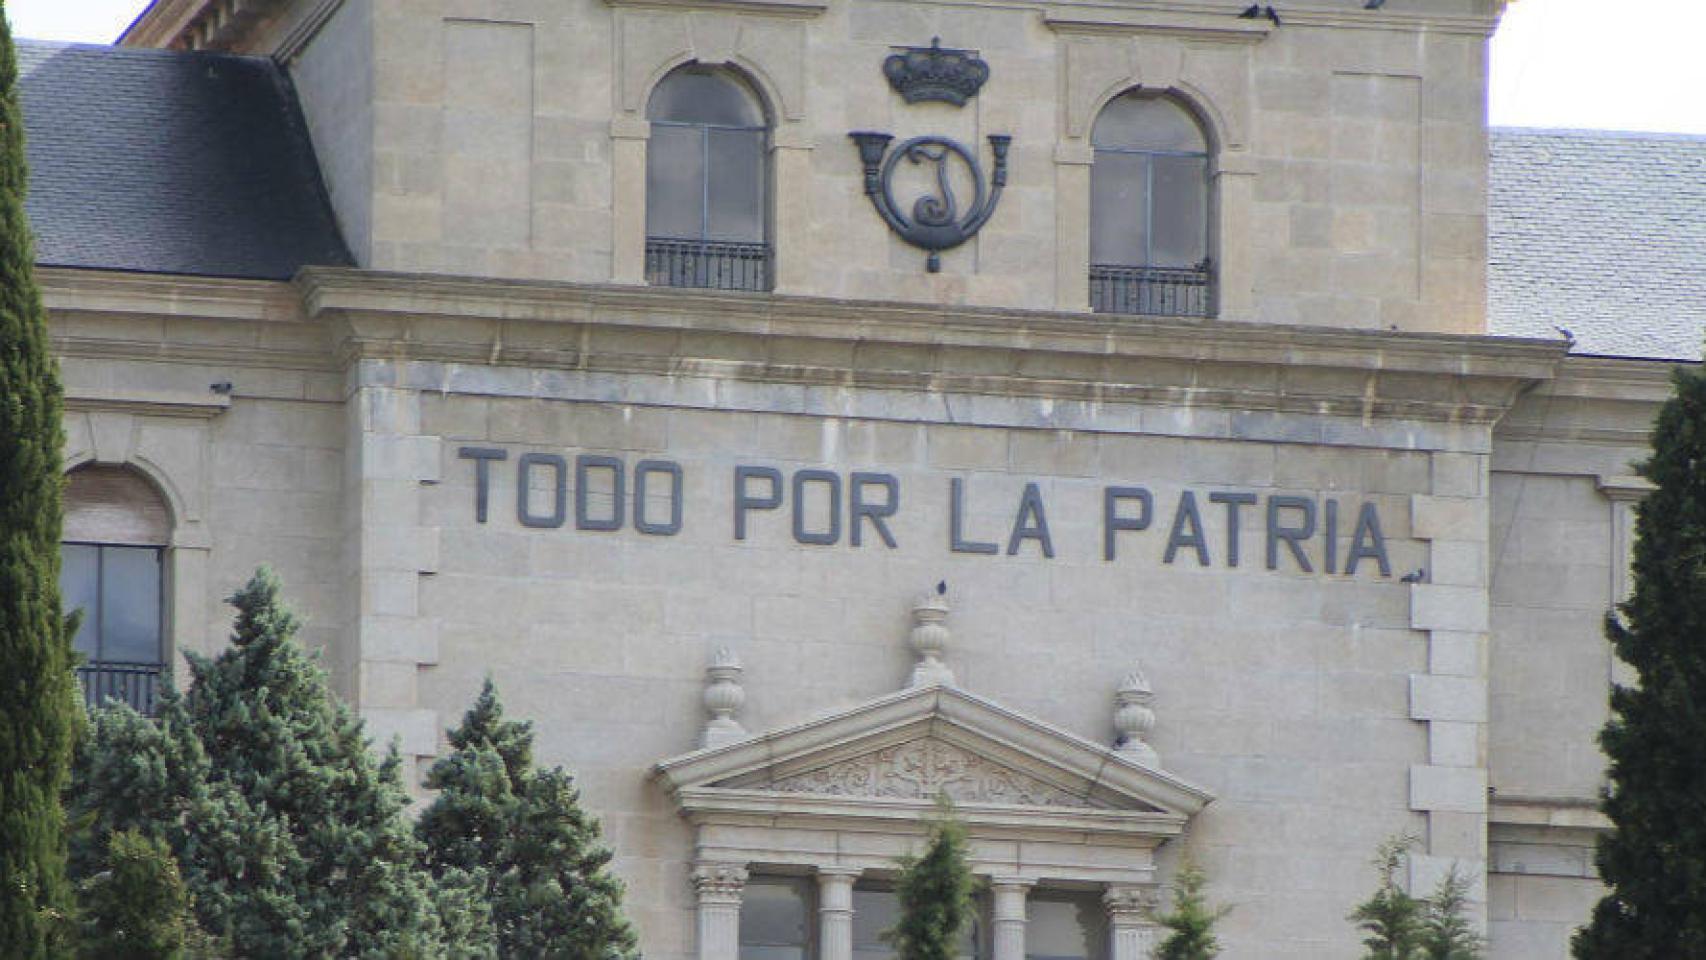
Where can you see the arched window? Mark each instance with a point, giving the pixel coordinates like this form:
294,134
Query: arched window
706,182
1149,209
116,531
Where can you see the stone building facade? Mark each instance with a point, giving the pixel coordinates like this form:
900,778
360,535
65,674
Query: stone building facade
1293,556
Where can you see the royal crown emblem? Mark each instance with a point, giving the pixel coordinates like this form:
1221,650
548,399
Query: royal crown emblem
934,73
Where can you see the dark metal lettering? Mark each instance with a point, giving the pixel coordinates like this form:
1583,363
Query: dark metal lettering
1292,537
876,512
956,518
1233,501
1331,559
745,502
584,465
1374,547
671,469
1187,515
831,480
523,483
1112,522
482,457
1031,523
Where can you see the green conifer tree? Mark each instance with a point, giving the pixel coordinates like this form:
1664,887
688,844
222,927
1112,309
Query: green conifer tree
934,893
1447,933
1391,918
291,835
1654,860
137,907
1191,920
522,833
36,686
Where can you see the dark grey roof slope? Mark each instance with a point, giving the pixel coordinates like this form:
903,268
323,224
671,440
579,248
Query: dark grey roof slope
166,162
1603,234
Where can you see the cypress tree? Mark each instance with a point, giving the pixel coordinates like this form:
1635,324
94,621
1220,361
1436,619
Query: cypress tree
1391,918
935,893
1191,920
36,686
523,835
1654,860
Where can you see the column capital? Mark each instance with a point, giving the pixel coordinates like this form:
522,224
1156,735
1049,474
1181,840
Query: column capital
1017,884
1131,904
719,882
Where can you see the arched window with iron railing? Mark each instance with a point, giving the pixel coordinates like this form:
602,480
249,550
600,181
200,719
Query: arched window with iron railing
1149,209
707,182
111,569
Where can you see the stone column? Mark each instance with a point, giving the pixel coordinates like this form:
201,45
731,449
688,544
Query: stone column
798,270
628,136
835,912
1072,224
1131,921
1009,914
719,886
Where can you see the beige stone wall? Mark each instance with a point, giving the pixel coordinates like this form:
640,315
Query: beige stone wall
1287,694
252,478
508,139
334,77
1561,529
1324,711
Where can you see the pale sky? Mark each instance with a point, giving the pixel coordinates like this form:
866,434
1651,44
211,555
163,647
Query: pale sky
1592,64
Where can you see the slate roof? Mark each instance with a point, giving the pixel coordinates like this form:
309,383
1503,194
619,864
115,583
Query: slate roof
1603,234
167,162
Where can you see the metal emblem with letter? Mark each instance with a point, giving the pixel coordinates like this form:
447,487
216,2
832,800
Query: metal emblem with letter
935,220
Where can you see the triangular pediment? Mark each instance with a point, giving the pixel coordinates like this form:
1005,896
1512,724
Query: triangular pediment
896,753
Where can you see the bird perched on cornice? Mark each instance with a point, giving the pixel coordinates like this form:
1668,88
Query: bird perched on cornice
1271,15
1374,4
1255,10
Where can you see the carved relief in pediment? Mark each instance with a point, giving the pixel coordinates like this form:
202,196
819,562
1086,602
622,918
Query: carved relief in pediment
922,768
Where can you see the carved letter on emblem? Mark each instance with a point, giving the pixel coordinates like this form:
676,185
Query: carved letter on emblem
935,222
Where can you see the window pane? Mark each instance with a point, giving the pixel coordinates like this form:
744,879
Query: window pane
1117,199
700,95
1180,212
130,604
1134,121
737,185
773,920
1060,928
675,182
78,574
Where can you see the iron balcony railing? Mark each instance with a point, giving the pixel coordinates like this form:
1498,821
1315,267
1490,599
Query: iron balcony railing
137,684
696,263
1154,291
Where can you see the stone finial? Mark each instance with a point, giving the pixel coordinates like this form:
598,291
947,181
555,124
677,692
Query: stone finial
1133,719
929,639
723,698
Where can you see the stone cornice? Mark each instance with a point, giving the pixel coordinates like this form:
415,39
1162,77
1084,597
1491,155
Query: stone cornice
199,24
135,316
1625,393
102,291
786,8
1192,363
1086,18
162,22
